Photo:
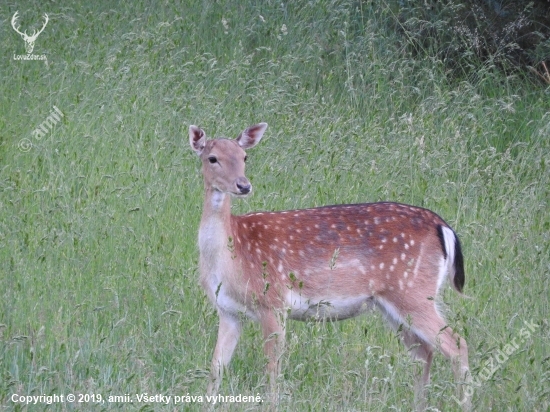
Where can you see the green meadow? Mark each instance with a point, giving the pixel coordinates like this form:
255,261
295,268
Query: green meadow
99,210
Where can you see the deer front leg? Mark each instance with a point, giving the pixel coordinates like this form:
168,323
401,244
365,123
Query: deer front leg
229,331
273,327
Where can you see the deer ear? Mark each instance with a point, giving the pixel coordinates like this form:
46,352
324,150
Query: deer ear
197,139
251,136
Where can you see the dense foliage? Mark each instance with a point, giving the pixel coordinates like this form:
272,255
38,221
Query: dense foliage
510,35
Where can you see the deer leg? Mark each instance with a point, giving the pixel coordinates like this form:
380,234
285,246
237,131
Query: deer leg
229,331
436,334
428,330
455,348
420,350
273,327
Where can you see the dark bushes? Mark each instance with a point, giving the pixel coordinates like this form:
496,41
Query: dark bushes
509,35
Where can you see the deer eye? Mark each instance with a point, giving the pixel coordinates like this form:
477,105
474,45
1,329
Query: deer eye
213,159
245,158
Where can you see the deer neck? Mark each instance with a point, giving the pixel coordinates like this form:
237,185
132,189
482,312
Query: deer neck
215,227
217,206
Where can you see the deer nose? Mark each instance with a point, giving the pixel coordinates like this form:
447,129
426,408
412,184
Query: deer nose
243,185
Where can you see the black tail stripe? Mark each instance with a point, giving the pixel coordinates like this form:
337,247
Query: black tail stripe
460,277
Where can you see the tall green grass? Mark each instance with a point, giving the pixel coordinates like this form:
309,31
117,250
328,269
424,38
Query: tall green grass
98,220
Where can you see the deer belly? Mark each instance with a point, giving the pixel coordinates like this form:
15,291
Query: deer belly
337,308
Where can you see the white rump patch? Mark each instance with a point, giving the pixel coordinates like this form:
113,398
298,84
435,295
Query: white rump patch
445,266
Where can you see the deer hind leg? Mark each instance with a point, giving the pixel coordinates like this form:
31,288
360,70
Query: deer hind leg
419,350
425,331
273,328
229,331
433,331
454,347
418,347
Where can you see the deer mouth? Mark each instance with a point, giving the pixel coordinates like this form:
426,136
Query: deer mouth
243,186
242,193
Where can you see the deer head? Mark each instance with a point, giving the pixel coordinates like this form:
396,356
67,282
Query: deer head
29,40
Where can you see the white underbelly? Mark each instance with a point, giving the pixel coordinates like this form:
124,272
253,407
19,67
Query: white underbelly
303,308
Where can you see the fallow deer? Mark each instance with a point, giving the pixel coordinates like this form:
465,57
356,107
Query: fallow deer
323,263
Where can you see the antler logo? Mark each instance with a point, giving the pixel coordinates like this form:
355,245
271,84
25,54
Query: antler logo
29,40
